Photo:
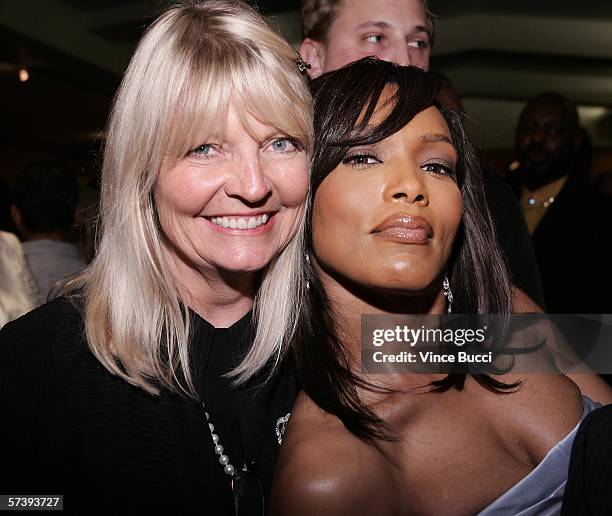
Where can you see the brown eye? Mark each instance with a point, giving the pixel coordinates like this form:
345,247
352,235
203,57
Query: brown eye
361,160
438,169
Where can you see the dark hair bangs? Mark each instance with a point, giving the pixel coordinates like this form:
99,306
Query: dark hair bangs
345,122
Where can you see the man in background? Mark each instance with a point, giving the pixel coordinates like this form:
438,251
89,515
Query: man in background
568,220
337,32
46,196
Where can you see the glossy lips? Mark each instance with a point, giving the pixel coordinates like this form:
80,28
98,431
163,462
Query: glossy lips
405,229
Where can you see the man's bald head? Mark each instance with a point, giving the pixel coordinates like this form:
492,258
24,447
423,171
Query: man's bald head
547,138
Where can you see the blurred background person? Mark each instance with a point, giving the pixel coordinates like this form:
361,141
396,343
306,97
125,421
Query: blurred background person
566,217
18,292
46,197
86,217
336,32
6,200
603,183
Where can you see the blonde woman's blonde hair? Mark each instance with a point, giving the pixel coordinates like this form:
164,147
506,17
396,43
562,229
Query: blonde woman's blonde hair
192,61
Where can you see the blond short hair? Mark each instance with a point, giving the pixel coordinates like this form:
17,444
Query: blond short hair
194,59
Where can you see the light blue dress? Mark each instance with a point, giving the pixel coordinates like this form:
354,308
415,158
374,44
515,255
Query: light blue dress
541,492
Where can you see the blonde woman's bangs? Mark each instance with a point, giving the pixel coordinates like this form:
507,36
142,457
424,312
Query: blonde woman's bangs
272,102
199,115
204,95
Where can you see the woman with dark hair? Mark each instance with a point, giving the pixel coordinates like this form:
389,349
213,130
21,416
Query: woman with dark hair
399,225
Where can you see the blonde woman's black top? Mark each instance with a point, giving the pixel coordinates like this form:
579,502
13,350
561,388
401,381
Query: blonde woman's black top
70,427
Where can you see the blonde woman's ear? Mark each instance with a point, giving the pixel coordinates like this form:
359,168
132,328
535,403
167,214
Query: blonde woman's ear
313,52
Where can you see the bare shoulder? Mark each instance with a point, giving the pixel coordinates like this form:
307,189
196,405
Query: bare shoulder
323,468
540,413
593,386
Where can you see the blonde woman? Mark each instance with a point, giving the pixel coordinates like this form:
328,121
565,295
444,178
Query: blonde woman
118,394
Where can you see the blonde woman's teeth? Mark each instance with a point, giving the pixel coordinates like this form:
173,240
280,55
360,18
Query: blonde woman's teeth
240,222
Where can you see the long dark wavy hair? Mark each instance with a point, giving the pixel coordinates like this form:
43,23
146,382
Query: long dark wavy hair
344,101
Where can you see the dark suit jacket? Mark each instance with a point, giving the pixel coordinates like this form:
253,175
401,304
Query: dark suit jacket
573,246
588,490
513,238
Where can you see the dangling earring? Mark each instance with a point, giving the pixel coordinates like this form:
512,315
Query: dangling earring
448,293
307,270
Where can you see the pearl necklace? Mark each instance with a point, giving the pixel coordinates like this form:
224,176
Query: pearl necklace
281,425
532,201
224,460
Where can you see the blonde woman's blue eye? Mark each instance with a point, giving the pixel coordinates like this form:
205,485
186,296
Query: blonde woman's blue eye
203,150
283,145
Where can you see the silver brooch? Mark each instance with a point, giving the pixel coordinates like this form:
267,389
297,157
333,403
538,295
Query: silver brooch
281,426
